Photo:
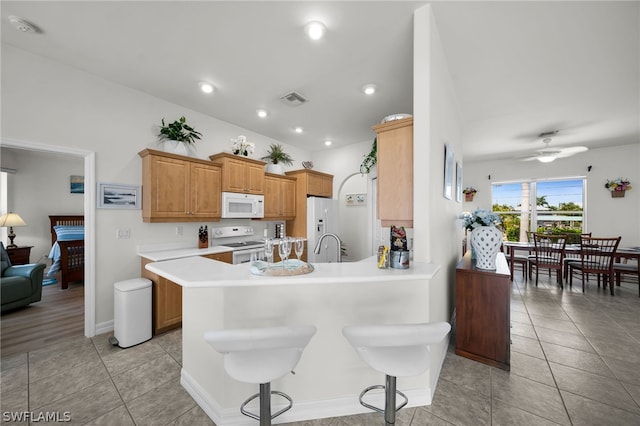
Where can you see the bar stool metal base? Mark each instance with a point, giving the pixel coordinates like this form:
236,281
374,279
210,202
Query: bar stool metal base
265,416
390,392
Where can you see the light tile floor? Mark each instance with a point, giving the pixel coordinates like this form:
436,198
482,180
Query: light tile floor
575,360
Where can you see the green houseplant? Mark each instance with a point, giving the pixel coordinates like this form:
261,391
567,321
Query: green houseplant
370,159
178,137
276,157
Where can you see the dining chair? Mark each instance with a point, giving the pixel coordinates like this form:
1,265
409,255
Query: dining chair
522,260
548,254
596,257
625,267
572,239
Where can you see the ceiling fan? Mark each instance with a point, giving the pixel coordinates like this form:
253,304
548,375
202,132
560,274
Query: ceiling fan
547,154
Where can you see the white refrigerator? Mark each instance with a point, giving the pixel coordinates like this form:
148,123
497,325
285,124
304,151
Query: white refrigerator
322,217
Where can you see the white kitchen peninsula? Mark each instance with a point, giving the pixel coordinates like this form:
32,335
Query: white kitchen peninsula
330,376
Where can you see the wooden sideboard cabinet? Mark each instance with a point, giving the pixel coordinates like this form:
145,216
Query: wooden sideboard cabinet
167,296
279,197
395,172
240,174
483,312
176,188
19,255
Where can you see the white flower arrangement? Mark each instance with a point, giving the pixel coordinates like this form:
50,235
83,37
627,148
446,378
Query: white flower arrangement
241,146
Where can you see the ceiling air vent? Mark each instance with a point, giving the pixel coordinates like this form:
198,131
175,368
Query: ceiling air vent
293,99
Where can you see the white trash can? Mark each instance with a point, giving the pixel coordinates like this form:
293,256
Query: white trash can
132,312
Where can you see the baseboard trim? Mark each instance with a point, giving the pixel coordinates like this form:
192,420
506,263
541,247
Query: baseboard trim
104,327
301,411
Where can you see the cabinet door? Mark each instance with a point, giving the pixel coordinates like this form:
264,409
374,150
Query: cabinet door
170,187
235,173
288,198
272,197
395,173
255,179
226,256
168,305
314,185
205,191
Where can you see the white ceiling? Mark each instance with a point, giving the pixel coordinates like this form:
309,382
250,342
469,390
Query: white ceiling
519,68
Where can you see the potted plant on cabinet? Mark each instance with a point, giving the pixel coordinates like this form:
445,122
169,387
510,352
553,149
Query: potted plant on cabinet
178,137
275,158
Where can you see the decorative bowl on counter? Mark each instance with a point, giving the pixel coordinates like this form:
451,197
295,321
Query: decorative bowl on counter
307,164
290,267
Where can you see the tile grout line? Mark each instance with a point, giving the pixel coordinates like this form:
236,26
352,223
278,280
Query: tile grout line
564,405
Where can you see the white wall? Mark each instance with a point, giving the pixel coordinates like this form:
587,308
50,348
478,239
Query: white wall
436,123
605,216
40,185
354,219
49,103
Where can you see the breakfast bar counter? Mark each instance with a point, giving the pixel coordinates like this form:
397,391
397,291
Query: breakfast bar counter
330,376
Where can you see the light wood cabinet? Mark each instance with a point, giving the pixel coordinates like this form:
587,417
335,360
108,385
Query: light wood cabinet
167,295
395,172
243,175
179,189
226,256
483,314
279,197
308,183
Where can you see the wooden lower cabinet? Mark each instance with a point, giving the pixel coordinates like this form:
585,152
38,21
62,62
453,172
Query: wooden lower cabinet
167,296
226,256
483,314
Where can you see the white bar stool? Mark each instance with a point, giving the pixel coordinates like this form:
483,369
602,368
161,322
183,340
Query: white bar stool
261,355
395,350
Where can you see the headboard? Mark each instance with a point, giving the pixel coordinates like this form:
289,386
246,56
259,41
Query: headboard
68,220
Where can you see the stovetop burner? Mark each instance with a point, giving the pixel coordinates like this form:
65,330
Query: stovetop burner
245,244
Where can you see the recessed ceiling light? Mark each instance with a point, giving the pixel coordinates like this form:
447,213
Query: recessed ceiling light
261,113
328,143
298,129
206,87
315,30
369,89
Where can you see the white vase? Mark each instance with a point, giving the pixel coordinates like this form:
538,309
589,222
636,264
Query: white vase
486,241
179,148
275,168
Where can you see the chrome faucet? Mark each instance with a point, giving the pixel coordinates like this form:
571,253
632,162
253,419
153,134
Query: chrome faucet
329,234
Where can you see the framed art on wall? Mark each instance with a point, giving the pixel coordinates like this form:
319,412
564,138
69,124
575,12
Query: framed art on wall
458,182
448,172
119,196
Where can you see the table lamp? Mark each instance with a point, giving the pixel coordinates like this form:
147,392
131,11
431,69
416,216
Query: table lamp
11,219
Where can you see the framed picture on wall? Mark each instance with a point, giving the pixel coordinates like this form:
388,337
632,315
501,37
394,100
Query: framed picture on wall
458,182
448,172
119,196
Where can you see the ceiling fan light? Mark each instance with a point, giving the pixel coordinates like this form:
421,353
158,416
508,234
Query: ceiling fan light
546,158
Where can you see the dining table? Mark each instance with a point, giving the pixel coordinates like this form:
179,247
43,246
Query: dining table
513,246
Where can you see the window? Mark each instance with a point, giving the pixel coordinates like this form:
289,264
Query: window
554,206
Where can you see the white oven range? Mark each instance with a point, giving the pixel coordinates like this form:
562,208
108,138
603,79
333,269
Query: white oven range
235,237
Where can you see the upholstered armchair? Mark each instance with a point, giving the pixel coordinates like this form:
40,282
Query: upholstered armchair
20,285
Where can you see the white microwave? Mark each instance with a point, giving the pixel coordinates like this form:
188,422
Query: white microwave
235,205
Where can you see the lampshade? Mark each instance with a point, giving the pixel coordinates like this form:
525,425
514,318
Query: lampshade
11,219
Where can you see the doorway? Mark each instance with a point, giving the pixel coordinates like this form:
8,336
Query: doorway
88,158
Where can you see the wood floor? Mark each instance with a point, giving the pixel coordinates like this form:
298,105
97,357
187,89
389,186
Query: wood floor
59,315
